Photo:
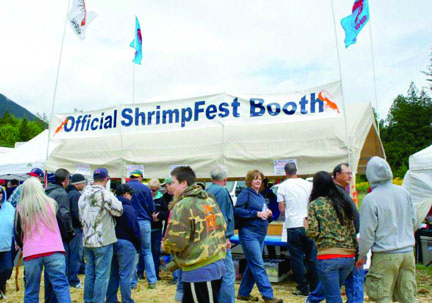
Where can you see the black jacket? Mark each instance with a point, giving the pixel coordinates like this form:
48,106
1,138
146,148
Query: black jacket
127,227
74,195
161,208
58,193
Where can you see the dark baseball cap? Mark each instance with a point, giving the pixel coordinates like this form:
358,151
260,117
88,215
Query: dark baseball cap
36,172
77,179
123,189
100,173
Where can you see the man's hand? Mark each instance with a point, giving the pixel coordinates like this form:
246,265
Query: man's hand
360,262
155,218
305,223
228,244
262,215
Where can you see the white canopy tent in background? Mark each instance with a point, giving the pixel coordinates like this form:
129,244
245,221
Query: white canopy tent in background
418,181
17,162
255,133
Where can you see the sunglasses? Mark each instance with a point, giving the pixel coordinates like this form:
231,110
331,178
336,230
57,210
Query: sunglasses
154,190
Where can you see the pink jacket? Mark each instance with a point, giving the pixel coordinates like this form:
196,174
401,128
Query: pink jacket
42,242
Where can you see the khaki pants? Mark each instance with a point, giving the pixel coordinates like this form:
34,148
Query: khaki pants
392,276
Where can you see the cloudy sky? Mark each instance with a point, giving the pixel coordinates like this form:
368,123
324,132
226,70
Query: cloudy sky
196,47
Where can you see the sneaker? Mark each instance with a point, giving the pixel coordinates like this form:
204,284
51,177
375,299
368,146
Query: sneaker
248,298
300,293
273,300
2,295
152,286
134,286
79,286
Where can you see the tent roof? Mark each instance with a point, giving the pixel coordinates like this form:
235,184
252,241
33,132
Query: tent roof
421,160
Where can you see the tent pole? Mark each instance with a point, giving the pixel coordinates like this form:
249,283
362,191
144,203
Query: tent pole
56,81
340,75
133,83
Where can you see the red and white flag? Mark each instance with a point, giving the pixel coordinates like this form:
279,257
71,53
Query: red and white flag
79,18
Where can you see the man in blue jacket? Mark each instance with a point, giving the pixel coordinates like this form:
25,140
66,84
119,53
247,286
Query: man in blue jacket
218,175
128,244
142,202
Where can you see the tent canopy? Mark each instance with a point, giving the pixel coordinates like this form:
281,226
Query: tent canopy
241,132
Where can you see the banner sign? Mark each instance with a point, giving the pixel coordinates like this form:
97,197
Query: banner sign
279,166
131,168
319,102
83,169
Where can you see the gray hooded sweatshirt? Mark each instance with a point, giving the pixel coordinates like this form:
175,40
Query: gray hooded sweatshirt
387,214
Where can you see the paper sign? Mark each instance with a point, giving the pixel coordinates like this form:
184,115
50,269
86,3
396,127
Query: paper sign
83,169
131,168
279,166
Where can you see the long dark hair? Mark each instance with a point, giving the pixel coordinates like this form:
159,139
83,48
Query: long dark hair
324,186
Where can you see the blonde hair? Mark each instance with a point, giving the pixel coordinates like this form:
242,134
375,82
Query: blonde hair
35,206
154,183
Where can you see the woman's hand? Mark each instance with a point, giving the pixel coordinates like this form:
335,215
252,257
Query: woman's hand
263,215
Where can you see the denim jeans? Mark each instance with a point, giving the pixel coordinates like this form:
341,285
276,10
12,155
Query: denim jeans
50,296
303,252
354,286
332,274
122,270
253,244
156,238
6,266
179,291
145,253
227,289
98,267
75,254
55,268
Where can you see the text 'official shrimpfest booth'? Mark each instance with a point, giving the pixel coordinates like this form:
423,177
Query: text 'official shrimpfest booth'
242,132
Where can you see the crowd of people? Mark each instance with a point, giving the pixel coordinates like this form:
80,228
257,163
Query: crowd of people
122,234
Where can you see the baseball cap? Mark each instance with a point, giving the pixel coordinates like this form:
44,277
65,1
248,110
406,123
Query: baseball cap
77,179
136,173
100,172
167,181
122,189
36,172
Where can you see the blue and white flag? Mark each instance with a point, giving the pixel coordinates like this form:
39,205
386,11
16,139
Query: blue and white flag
355,22
137,43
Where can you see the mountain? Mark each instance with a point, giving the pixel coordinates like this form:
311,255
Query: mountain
17,110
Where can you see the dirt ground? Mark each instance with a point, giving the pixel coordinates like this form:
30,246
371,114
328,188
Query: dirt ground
164,293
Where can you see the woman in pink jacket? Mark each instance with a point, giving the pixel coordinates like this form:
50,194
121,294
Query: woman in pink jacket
38,234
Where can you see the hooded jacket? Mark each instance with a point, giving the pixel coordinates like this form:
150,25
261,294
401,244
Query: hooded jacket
196,230
127,227
73,196
387,216
7,216
58,193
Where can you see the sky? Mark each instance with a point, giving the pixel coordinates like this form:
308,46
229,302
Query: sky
195,47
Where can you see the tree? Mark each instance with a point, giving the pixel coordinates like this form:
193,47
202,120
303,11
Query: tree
407,128
8,135
428,73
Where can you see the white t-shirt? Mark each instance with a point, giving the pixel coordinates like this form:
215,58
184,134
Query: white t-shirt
295,193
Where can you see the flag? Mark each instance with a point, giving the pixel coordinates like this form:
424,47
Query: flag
79,18
355,22
137,43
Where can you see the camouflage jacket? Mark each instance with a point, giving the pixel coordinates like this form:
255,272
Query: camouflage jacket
196,230
97,206
324,227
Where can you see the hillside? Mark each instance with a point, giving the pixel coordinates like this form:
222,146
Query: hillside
16,110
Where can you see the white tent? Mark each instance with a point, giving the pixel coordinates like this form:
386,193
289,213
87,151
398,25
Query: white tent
418,181
20,160
263,133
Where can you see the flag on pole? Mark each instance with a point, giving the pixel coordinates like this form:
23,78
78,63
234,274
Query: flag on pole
137,43
355,22
79,18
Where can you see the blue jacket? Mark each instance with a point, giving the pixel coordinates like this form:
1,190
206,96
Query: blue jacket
248,204
127,227
225,204
7,217
142,200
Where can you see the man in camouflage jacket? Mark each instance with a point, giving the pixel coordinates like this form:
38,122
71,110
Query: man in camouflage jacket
196,237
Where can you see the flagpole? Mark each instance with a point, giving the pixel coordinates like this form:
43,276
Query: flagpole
133,83
56,81
373,71
340,75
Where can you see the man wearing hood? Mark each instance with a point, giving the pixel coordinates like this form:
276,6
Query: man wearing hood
196,236
388,222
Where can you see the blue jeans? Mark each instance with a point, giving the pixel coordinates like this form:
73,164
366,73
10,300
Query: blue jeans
303,252
55,268
332,273
145,253
354,286
98,267
253,244
50,296
122,270
156,238
6,266
179,291
74,257
227,290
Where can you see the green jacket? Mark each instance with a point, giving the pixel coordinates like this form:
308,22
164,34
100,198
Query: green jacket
324,227
196,230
